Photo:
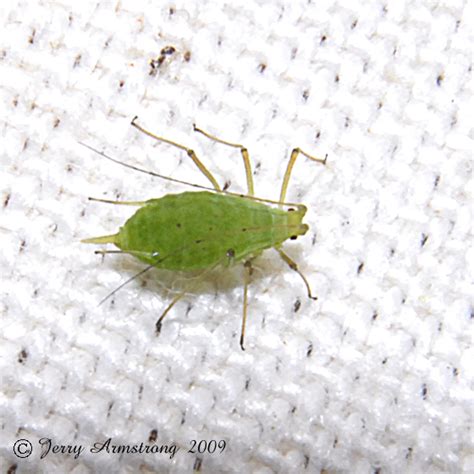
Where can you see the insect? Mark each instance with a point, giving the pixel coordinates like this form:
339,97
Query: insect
200,230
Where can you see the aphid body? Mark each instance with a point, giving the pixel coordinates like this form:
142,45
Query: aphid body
203,229
197,230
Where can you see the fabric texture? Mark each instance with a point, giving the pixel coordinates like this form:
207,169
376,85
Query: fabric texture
373,377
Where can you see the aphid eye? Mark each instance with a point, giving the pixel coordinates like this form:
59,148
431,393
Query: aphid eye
230,253
293,237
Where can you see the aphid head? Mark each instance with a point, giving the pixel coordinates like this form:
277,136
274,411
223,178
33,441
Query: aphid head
295,218
300,209
302,229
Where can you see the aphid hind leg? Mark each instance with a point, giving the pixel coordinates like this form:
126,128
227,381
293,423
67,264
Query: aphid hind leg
293,265
189,151
122,203
248,273
286,178
105,252
243,151
188,287
166,311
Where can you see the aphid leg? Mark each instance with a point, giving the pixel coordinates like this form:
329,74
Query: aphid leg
166,311
189,151
188,288
289,168
104,252
292,264
110,239
243,151
123,203
248,273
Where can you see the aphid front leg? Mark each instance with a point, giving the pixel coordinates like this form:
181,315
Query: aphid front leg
289,168
248,274
189,151
243,151
293,265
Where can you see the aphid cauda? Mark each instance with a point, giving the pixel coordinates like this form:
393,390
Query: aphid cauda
200,230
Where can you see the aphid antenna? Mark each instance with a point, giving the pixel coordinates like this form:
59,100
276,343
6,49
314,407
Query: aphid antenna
186,183
145,270
126,282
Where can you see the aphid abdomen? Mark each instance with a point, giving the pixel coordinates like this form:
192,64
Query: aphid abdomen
195,230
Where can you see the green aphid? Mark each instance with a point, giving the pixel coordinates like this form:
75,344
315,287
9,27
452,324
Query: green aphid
200,230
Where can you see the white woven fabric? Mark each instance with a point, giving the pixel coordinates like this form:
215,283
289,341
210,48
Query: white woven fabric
374,377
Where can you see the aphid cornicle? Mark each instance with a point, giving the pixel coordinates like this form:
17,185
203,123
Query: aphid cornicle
200,230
